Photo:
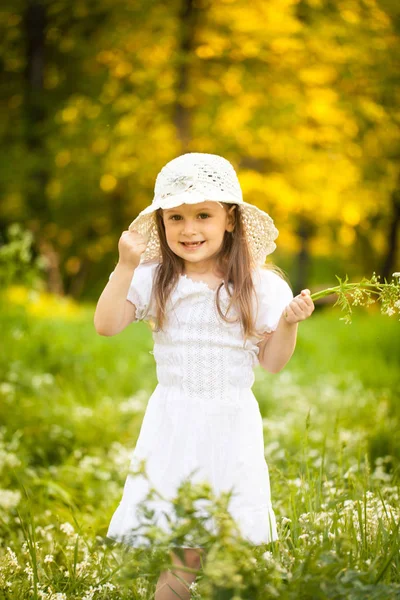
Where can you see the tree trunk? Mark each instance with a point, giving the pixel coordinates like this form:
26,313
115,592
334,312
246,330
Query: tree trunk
389,264
187,18
54,279
305,230
35,116
35,112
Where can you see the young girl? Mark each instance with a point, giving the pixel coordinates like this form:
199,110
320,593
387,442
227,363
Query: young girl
192,263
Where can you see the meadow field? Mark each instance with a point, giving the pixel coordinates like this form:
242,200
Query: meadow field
302,98
72,403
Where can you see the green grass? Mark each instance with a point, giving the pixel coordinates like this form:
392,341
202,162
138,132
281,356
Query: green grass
72,403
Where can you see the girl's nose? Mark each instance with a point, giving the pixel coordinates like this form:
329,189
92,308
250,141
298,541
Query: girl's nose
189,227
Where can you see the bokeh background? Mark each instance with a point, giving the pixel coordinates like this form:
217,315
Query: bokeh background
302,96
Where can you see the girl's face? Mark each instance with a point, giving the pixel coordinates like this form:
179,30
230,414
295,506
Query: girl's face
195,232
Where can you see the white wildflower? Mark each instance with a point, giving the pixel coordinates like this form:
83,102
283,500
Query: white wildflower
270,448
297,482
350,471
348,503
42,379
120,455
381,474
134,404
304,518
29,571
57,431
328,483
103,475
89,594
45,532
7,388
67,528
49,558
25,549
12,559
83,412
17,333
81,567
90,463
9,499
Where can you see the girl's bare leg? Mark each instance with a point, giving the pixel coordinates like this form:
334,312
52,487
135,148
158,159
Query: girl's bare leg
169,585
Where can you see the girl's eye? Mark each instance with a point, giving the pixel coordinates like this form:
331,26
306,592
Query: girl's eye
178,217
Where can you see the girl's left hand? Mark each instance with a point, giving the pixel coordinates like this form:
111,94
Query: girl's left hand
300,308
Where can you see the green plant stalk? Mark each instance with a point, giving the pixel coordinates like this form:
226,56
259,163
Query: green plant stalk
347,287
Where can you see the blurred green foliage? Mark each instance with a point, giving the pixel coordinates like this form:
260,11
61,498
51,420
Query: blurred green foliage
17,263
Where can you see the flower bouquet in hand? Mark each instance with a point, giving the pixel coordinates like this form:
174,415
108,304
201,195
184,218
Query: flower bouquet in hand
365,292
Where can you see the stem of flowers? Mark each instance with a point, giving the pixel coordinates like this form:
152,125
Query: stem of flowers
361,293
348,287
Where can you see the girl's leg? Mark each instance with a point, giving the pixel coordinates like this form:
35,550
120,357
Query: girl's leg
169,587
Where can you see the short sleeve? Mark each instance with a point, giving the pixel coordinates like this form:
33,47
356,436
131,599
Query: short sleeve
140,289
273,295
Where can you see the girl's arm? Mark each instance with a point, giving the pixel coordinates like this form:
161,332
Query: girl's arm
277,348
113,311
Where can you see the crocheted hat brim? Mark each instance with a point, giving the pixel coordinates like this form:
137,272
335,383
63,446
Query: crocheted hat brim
259,228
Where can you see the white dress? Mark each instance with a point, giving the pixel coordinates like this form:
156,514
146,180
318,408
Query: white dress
203,418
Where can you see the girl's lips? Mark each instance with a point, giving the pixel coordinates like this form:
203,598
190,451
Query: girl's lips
192,244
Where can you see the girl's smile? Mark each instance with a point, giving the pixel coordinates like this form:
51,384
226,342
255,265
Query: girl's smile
191,246
195,232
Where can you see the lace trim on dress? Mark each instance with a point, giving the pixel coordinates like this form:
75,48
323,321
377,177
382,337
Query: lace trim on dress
202,283
187,286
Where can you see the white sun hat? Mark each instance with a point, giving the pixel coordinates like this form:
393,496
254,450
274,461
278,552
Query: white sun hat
199,177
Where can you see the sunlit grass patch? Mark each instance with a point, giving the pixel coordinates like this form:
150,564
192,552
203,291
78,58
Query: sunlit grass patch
72,403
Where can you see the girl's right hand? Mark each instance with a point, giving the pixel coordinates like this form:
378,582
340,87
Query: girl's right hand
131,246
300,308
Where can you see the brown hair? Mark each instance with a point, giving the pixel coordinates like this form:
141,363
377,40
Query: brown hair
233,259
